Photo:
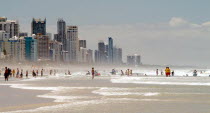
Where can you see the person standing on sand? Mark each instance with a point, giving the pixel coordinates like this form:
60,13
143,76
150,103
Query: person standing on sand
93,73
21,74
37,73
131,72
42,72
17,74
6,74
34,74
168,72
27,74
128,72
13,72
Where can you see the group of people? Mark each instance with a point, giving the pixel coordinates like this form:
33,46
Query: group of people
128,72
168,72
19,74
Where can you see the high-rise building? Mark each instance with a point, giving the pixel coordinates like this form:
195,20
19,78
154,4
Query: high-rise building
82,43
49,36
43,46
4,36
82,55
61,30
56,49
38,27
117,54
9,26
72,43
130,60
101,50
134,59
89,56
14,48
31,49
97,57
110,50
21,49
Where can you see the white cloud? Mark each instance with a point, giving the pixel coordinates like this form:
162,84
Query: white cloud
177,21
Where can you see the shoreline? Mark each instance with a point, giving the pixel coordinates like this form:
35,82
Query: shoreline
14,98
81,94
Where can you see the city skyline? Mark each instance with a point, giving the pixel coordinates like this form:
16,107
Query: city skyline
150,34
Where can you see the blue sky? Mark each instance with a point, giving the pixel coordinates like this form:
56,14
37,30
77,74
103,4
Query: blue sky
162,31
82,12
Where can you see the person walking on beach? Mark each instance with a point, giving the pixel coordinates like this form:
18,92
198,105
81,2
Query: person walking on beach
27,74
13,72
157,72
168,72
93,73
6,74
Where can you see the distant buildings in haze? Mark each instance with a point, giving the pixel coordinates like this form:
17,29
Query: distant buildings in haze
64,46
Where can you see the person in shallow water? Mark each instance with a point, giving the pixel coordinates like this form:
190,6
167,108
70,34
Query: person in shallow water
168,72
172,73
157,72
195,73
93,73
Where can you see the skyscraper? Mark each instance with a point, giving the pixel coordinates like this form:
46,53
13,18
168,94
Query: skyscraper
61,32
110,50
72,43
38,27
30,49
101,50
9,26
43,46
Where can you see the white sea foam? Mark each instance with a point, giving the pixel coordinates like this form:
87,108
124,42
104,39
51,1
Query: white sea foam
121,92
162,81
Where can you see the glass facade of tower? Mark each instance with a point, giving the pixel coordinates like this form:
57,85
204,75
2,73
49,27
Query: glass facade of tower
38,27
110,50
30,49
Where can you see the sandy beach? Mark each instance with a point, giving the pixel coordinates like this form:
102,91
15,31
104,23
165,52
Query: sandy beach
106,94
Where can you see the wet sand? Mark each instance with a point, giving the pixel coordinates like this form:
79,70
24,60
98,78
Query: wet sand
83,95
